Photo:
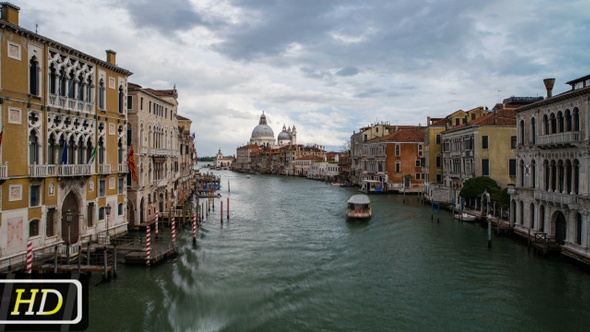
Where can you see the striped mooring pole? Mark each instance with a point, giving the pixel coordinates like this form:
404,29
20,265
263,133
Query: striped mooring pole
148,246
194,228
173,232
29,257
157,217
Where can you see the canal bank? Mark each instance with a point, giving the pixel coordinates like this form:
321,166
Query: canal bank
288,260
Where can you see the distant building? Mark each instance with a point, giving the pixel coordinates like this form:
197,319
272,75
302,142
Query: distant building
222,161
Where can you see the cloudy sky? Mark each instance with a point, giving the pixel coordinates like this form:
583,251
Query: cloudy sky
328,67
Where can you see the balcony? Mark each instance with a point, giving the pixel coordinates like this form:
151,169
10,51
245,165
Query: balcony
42,171
104,169
4,172
123,169
74,170
559,140
556,197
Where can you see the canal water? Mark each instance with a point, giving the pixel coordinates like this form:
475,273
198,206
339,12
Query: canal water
287,260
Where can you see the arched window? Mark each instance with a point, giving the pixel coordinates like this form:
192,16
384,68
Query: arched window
576,176
547,171
533,174
120,153
553,124
101,151
568,176
397,150
34,76
90,151
81,87
533,131
72,85
561,177
52,79
542,218
568,120
51,150
545,125
397,166
80,152
532,215
578,228
89,91
521,171
553,175
521,219
62,82
560,121
521,132
121,99
101,95
576,119
33,149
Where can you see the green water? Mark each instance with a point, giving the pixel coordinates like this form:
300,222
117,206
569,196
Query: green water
287,260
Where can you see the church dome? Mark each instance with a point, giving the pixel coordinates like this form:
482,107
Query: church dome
284,135
262,131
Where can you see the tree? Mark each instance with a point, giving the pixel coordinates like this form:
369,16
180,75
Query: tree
473,188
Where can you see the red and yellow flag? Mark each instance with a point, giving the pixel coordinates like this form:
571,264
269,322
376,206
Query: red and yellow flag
131,164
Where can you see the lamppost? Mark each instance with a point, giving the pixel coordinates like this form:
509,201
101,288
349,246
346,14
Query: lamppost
108,212
69,217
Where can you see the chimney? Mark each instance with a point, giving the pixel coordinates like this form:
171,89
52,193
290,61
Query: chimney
112,57
10,13
549,86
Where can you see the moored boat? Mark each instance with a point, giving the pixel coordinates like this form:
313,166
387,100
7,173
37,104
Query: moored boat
464,217
359,207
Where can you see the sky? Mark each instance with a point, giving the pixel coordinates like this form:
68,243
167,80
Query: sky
329,67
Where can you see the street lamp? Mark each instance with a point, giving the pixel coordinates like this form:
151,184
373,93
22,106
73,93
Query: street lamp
69,217
107,209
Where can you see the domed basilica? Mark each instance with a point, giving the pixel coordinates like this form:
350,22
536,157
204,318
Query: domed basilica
262,135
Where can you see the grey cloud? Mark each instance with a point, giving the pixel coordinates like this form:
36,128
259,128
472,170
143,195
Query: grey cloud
164,16
347,71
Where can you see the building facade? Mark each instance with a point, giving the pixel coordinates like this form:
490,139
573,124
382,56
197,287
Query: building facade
551,194
68,184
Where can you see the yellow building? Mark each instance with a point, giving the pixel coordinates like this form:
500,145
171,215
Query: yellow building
63,154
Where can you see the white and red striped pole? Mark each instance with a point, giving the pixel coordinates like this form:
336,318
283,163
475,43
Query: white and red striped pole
29,257
148,246
157,216
194,228
173,232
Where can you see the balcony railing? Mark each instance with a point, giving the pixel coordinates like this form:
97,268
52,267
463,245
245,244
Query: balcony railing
74,170
559,139
556,197
4,172
123,169
104,169
70,103
42,171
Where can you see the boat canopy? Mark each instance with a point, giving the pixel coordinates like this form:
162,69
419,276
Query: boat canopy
359,199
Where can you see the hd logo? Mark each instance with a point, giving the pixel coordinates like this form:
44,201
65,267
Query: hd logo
43,304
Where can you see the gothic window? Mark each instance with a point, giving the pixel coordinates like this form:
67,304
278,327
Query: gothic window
397,150
521,132
576,119
81,87
101,151
553,124
533,131
34,76
120,153
121,99
532,215
33,149
89,91
545,124
89,149
71,147
52,79
533,174
51,150
560,121
578,228
101,94
62,82
568,120
72,85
